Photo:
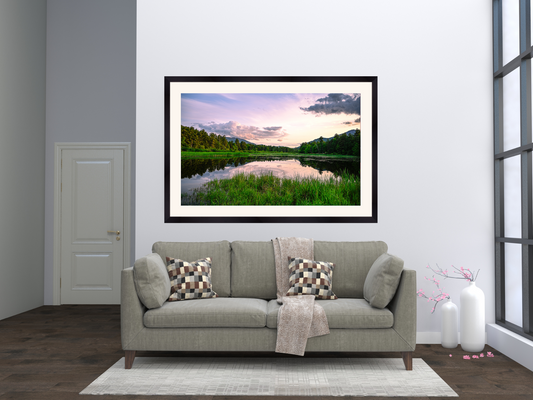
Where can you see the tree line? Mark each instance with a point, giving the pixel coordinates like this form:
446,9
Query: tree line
194,139
344,144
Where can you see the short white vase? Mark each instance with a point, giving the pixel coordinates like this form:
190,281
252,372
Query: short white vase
472,318
449,328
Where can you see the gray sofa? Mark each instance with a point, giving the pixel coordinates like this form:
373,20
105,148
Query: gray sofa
244,316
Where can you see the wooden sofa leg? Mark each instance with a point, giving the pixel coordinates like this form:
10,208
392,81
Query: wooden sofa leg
130,356
408,360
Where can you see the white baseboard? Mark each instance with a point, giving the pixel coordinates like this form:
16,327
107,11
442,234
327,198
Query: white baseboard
512,345
434,337
428,338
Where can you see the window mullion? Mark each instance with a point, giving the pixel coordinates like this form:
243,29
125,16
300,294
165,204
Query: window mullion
525,27
497,34
525,139
498,164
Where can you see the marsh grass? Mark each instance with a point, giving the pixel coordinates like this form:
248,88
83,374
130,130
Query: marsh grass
268,190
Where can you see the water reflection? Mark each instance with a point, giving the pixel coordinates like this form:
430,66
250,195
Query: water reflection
196,172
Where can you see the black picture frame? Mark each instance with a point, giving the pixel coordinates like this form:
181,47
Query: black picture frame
355,214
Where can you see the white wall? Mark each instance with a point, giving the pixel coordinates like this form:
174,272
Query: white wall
90,88
433,62
22,135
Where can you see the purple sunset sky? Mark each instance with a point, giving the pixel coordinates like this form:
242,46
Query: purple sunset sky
280,119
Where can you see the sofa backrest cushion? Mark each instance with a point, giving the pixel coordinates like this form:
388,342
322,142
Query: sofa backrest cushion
151,280
253,270
220,253
382,280
352,262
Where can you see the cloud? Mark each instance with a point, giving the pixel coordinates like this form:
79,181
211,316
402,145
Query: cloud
248,132
356,122
336,103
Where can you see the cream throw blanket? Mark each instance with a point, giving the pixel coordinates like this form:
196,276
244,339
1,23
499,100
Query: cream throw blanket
299,317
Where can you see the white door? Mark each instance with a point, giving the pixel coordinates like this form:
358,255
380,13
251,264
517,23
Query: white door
92,225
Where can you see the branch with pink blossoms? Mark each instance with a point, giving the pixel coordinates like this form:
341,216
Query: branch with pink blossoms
436,298
464,273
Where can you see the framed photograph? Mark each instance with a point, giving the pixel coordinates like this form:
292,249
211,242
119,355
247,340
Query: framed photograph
271,149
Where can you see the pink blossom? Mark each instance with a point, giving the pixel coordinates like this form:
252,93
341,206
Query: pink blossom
440,295
466,357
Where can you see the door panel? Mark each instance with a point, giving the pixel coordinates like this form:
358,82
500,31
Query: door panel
92,211
92,271
87,176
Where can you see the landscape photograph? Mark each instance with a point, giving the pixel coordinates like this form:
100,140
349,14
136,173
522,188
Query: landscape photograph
270,149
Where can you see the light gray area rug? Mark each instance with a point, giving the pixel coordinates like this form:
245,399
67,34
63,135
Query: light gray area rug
270,377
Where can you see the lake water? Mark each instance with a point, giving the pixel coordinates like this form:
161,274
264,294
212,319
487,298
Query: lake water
196,172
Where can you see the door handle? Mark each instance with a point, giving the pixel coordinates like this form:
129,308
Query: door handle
115,232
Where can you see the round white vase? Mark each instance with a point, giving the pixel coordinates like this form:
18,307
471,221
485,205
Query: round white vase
472,318
449,328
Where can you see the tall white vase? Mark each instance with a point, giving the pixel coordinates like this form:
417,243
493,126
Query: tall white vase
449,328
472,318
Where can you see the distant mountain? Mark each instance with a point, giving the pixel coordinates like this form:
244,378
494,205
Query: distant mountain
347,133
233,138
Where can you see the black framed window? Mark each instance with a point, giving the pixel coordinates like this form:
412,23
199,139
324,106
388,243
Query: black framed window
513,177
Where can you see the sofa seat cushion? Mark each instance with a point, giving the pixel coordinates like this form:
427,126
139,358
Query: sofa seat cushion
219,312
343,314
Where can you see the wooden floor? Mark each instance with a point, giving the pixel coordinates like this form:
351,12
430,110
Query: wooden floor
55,352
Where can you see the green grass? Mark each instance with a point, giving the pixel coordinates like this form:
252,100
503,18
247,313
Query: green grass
269,190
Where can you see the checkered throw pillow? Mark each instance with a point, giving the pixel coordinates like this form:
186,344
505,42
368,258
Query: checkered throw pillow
190,280
311,277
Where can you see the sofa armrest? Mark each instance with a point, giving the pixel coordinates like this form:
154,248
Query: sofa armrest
131,309
403,306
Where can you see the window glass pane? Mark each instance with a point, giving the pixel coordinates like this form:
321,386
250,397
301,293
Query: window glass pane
512,197
510,29
511,110
513,283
